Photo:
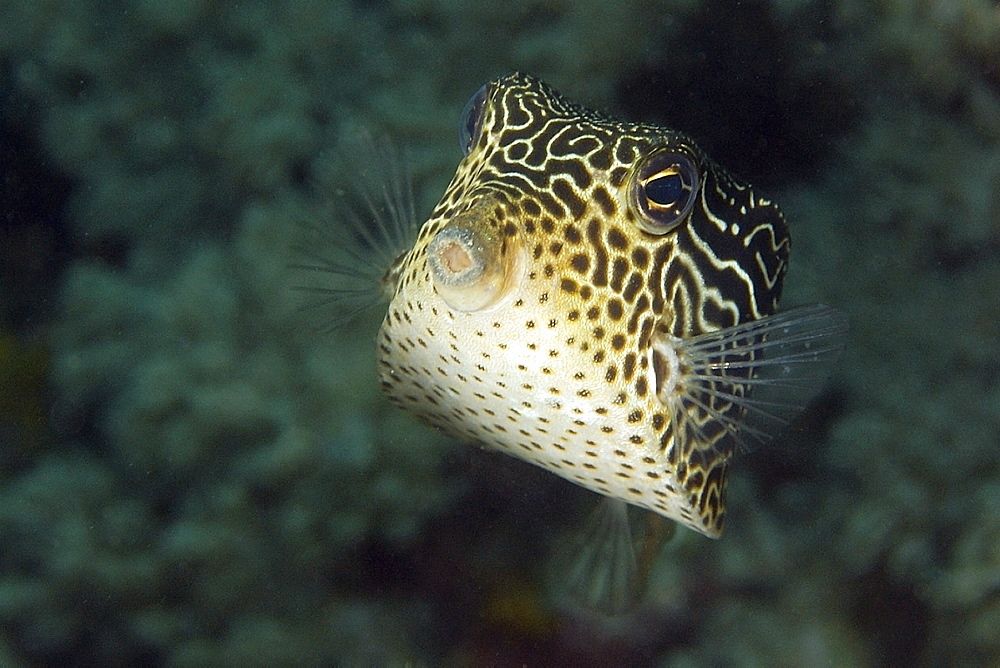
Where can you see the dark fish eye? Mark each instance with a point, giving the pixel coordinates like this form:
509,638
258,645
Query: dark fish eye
472,116
664,189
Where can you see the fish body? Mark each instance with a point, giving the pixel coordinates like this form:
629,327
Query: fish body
595,297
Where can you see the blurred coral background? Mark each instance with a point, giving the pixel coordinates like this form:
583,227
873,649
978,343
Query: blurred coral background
191,475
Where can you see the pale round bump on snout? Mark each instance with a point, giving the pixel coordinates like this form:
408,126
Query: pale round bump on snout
471,264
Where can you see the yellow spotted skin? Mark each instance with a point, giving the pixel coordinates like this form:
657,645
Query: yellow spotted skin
561,369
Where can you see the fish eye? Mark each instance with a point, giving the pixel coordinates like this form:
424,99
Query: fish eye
472,116
663,192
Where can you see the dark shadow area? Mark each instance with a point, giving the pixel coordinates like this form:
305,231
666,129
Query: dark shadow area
734,81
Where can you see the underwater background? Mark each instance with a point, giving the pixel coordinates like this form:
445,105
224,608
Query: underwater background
190,474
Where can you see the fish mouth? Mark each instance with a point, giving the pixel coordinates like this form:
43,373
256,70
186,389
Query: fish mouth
473,260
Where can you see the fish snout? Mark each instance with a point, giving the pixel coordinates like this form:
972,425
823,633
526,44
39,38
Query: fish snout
472,261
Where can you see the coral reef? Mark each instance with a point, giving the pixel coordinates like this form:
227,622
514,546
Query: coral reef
218,484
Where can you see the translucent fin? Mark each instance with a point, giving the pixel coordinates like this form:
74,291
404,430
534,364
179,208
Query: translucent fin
344,259
751,380
657,532
601,573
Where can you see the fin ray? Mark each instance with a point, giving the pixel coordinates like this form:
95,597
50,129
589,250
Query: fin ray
346,256
601,573
763,372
